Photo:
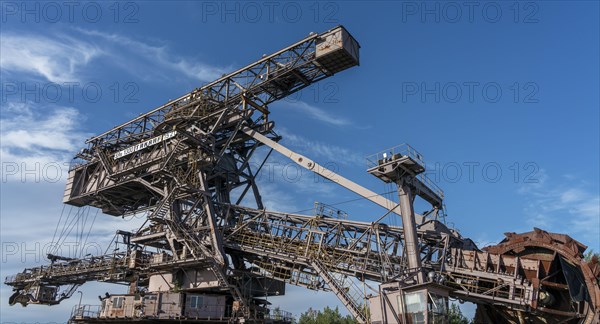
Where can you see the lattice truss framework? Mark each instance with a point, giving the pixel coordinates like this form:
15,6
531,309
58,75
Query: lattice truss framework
180,165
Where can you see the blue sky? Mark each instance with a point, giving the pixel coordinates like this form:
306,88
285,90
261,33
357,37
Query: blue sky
501,98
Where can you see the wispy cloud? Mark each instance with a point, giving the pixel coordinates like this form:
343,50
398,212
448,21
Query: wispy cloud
148,61
569,207
275,197
58,59
34,135
316,113
328,152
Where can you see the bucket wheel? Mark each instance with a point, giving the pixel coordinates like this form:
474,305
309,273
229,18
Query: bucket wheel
566,287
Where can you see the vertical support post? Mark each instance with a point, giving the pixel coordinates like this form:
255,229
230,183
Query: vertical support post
217,242
382,305
409,226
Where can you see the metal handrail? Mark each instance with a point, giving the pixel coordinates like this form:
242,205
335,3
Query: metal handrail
322,209
205,311
85,311
431,185
402,150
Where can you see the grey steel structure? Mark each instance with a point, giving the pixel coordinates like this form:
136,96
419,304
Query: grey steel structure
186,165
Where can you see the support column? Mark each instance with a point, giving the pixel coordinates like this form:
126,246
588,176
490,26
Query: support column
215,235
410,229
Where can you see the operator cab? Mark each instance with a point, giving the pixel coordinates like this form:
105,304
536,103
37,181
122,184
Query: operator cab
419,304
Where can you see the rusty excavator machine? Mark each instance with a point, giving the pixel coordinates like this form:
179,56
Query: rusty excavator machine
209,251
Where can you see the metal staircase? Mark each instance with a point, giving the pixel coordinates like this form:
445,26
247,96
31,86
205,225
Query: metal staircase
164,207
344,291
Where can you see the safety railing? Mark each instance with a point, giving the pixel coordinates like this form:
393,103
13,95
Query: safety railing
322,209
405,150
395,153
279,315
150,309
424,179
85,311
